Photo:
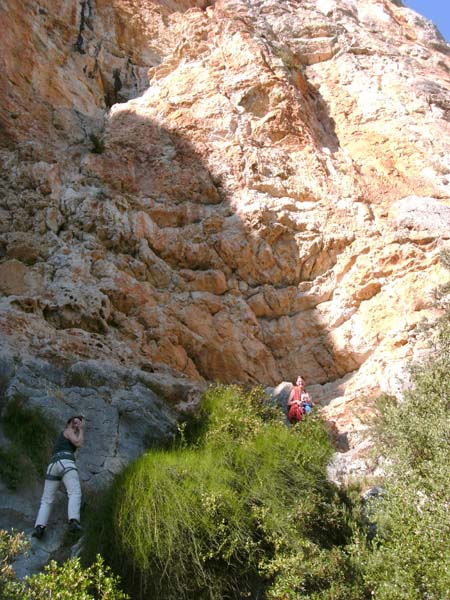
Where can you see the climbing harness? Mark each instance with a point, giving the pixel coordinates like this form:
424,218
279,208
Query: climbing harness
56,464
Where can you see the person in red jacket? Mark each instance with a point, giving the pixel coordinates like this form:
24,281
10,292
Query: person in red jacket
299,401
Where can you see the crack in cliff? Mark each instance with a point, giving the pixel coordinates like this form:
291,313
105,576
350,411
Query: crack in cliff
86,12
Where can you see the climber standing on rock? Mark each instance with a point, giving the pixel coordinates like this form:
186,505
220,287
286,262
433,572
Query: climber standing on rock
299,401
62,467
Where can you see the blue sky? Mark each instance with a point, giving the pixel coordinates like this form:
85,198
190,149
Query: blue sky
436,10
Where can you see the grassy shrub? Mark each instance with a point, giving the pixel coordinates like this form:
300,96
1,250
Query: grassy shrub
244,508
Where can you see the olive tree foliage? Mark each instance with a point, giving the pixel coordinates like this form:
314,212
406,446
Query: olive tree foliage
411,557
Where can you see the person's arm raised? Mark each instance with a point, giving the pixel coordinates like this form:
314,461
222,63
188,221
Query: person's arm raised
75,435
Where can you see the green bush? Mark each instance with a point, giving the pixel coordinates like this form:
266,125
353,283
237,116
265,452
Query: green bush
11,545
69,581
245,507
412,555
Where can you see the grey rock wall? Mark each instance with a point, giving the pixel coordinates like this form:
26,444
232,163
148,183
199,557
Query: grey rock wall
127,412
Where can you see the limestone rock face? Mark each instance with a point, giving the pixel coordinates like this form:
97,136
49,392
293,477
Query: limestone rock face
224,190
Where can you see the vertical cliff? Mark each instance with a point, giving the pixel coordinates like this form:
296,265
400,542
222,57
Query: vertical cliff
232,190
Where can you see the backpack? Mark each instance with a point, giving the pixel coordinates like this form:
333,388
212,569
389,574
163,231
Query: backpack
296,413
307,407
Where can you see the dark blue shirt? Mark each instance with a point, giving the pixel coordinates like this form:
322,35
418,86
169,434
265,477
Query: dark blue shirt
62,444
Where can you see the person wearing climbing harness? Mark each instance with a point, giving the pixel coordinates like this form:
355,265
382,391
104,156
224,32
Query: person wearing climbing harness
299,401
62,467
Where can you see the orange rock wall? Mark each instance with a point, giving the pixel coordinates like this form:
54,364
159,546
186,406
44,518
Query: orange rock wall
232,190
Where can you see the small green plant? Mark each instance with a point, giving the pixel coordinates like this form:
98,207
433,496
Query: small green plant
82,379
68,581
98,145
71,581
12,544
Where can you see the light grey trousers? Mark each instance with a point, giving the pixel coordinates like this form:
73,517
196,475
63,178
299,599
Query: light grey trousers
62,470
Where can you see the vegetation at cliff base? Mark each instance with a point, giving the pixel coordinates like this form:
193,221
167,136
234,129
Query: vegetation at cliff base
241,510
411,556
241,507
69,581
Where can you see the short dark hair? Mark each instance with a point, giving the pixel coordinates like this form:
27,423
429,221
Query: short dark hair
69,421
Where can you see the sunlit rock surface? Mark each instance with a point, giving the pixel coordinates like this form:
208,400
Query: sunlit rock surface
235,191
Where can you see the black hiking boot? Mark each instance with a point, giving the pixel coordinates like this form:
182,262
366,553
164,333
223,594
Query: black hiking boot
38,532
74,526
